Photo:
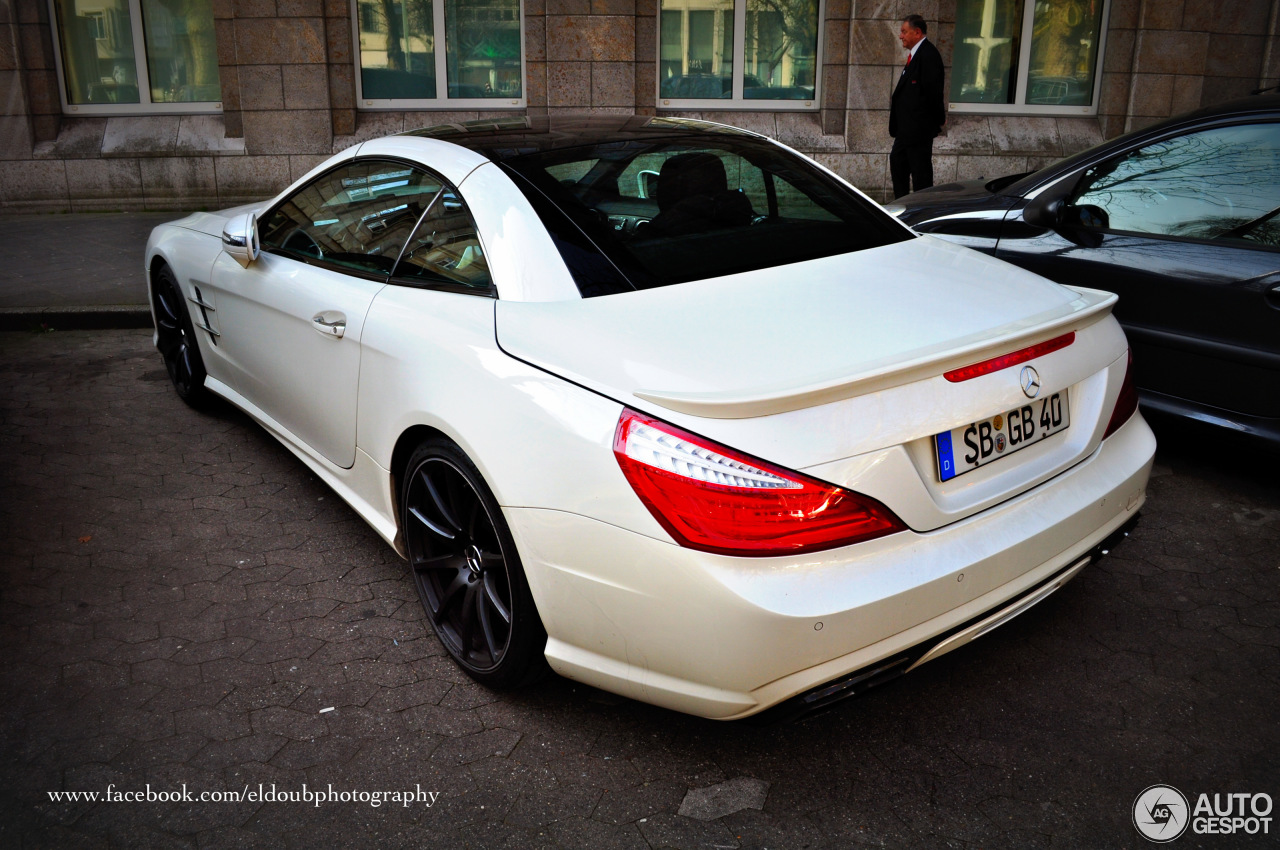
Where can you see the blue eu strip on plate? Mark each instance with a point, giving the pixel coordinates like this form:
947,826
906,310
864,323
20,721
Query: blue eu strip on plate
946,466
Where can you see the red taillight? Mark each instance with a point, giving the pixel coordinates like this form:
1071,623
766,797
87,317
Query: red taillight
1126,402
1004,361
712,498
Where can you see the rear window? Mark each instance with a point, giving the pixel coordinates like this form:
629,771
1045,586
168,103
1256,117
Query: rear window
634,215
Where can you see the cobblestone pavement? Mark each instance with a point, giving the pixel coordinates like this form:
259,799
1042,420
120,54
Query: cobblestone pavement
183,603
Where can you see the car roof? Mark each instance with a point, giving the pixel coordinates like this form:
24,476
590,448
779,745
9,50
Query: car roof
1239,106
508,138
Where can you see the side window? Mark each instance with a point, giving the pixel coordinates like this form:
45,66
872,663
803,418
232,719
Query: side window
1222,183
356,217
445,248
794,204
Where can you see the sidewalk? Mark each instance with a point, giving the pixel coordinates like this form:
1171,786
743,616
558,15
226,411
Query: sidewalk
75,271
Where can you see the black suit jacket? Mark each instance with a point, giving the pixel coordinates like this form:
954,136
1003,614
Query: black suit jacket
919,109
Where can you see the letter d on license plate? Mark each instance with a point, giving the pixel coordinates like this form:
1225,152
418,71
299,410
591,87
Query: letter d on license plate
968,447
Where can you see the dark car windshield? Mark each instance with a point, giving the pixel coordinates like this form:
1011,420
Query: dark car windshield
639,214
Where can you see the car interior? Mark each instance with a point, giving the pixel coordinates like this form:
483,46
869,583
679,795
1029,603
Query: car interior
360,217
670,213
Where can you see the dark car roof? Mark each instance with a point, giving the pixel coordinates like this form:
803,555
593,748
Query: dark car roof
1254,103
508,138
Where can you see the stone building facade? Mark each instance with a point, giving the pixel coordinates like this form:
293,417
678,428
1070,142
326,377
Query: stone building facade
288,74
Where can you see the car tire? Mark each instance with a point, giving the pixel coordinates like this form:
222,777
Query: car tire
467,571
176,339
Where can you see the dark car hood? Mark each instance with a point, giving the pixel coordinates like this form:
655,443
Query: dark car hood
964,190
949,198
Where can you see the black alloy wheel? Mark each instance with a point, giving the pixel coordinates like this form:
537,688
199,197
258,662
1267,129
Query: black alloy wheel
176,340
466,569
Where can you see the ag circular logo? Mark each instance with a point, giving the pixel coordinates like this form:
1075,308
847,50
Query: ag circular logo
1161,813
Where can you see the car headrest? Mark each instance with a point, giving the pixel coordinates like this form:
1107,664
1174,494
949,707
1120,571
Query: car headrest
688,174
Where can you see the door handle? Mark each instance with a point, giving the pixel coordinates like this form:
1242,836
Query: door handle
330,323
1273,296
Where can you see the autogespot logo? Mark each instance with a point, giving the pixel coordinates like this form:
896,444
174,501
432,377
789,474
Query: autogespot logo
1160,813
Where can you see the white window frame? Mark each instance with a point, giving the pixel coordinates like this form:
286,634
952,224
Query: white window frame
737,102
1024,73
144,106
442,99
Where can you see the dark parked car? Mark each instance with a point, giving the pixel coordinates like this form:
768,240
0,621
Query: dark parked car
1182,220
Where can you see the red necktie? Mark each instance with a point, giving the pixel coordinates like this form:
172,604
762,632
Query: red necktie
908,65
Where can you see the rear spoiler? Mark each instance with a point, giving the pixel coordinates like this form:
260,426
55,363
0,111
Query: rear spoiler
1090,306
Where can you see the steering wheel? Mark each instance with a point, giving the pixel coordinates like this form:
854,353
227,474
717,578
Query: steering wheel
300,241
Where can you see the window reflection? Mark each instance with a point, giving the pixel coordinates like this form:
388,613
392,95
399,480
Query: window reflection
782,41
1063,52
697,49
97,51
100,62
355,217
482,48
985,66
1217,184
697,59
397,49
182,56
445,248
1064,47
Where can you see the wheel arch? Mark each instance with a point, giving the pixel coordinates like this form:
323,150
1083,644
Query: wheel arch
155,262
406,443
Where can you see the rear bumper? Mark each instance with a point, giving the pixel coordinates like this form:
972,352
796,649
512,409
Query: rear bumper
727,637
859,681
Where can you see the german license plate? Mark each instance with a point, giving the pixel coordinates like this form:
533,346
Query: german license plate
968,447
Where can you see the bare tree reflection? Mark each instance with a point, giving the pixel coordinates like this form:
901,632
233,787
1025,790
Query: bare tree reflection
1203,185
796,38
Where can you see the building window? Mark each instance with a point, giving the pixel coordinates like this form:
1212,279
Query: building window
745,54
102,71
481,63
1028,56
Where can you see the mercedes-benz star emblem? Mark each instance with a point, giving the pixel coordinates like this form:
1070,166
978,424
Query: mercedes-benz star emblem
1030,379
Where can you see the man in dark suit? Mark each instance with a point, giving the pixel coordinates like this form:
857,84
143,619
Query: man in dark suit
918,110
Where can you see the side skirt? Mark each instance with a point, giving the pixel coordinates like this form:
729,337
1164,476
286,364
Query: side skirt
358,486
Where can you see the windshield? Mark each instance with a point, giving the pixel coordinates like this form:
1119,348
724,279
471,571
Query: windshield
638,214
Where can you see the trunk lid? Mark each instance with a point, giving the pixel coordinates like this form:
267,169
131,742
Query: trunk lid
785,339
835,367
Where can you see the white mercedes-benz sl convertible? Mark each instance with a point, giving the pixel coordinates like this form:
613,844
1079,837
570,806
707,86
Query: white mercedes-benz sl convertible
664,404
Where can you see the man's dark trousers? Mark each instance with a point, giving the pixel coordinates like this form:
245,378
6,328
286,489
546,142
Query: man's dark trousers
914,161
916,115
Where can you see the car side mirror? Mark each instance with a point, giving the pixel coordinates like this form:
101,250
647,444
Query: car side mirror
1048,209
1045,211
240,239
1085,215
